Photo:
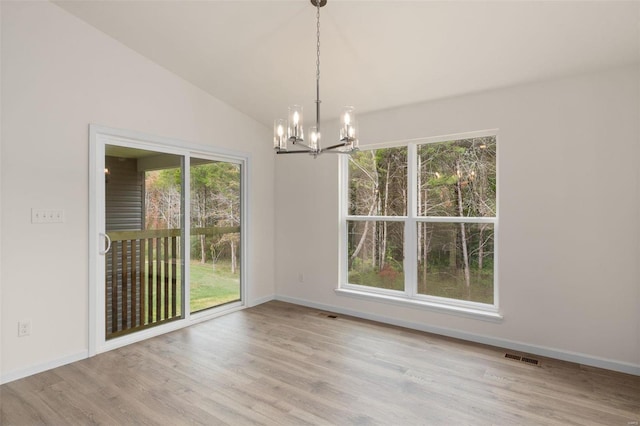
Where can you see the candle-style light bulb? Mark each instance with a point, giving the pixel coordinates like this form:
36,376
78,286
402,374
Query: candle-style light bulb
347,126
279,140
314,136
295,130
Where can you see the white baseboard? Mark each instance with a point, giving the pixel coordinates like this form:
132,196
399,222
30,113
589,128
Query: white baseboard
35,369
261,300
487,340
575,357
39,368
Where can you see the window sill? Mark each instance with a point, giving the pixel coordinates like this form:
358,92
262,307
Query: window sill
469,312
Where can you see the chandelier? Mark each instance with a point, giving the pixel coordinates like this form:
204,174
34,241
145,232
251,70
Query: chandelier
292,130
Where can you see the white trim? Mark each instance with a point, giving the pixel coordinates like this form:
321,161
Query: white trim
245,249
186,237
410,295
434,219
555,353
376,218
207,314
125,136
430,139
149,333
39,368
448,219
261,300
496,229
432,303
96,226
410,248
343,208
139,336
379,292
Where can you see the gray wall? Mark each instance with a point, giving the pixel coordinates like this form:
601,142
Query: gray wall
124,195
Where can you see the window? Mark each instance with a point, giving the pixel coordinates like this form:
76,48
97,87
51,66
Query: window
420,222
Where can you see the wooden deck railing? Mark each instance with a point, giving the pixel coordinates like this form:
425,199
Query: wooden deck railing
143,278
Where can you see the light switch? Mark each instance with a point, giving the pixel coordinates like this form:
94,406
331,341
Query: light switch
47,216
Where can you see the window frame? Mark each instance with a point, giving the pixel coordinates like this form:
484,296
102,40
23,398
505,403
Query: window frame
410,296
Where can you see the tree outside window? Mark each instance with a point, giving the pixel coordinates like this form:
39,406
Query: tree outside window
443,228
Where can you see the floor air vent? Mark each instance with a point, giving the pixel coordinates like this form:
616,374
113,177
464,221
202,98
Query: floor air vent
530,360
524,359
332,316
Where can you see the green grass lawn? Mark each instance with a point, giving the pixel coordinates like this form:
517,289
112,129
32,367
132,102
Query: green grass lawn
211,287
438,283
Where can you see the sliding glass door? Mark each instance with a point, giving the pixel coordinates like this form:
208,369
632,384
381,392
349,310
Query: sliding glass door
169,234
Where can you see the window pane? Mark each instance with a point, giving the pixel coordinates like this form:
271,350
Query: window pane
457,178
455,260
378,182
143,212
215,234
375,254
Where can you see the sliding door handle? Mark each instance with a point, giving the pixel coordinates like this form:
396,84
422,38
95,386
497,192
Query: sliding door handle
108,240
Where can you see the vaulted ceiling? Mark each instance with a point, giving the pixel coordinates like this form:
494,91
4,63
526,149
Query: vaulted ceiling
259,56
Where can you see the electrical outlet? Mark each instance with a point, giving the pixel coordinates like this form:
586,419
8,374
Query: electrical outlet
300,277
24,328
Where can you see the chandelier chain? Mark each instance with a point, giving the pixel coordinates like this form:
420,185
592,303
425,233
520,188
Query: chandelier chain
291,131
317,39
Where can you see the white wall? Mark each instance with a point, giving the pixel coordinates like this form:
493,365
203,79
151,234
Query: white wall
569,188
58,75
569,208
1,298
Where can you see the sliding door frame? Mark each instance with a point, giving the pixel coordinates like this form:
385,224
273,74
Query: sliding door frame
99,137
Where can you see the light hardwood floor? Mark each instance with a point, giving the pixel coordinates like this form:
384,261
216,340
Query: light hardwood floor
282,364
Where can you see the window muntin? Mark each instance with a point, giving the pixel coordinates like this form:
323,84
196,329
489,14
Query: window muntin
443,195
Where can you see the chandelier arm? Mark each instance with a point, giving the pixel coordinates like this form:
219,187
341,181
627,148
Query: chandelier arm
337,152
338,145
295,152
304,145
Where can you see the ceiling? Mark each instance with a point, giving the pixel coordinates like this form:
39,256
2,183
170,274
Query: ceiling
259,56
